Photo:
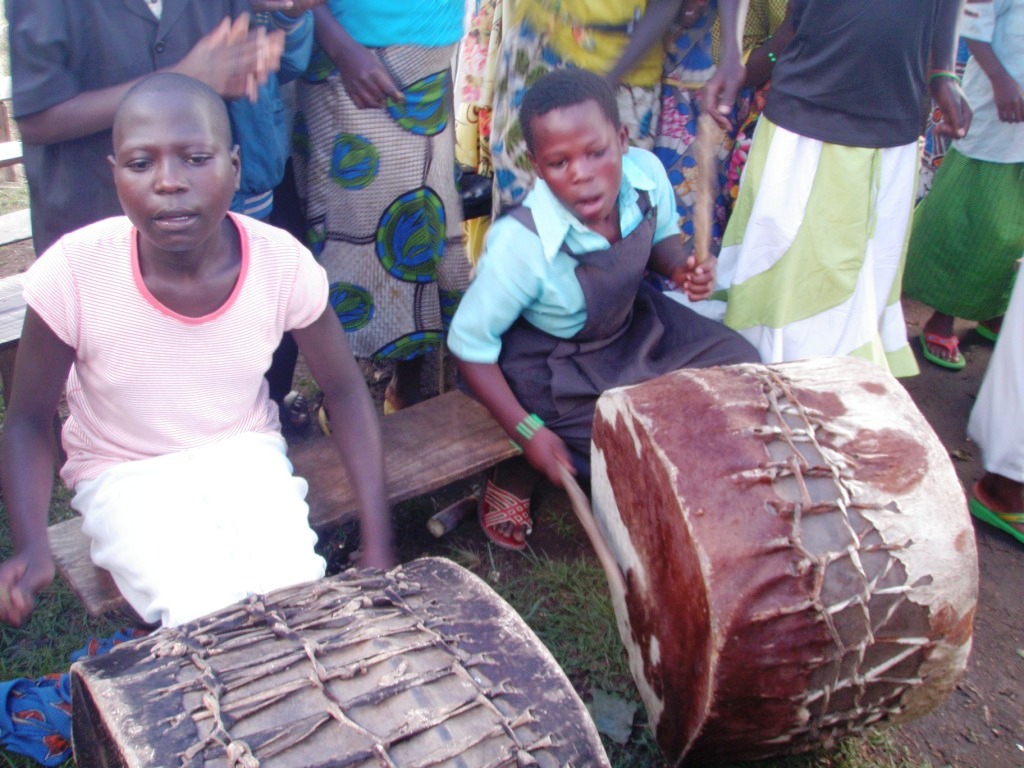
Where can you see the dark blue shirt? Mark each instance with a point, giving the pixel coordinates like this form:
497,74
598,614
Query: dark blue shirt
854,72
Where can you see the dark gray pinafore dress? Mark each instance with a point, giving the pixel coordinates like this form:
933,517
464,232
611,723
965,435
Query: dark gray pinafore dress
632,333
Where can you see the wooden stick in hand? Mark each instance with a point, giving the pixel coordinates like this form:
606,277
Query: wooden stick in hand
709,138
581,506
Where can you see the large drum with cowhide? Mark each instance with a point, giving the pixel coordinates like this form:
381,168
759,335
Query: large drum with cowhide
796,558
421,666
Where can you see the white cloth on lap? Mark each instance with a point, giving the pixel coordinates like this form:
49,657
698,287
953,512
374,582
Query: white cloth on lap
997,419
188,533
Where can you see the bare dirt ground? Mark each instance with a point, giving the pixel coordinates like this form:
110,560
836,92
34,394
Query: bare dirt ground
982,724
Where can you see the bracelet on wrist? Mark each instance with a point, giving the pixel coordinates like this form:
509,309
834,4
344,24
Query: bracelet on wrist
529,425
937,73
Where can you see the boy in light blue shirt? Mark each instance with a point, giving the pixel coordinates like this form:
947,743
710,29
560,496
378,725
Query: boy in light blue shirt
561,309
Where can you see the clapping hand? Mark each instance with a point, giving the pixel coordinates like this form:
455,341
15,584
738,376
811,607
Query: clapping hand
233,59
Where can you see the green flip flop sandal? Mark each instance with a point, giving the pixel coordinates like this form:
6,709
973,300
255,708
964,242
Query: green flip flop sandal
986,333
950,344
1001,520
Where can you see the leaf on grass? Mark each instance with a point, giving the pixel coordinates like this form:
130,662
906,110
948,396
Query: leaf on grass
612,715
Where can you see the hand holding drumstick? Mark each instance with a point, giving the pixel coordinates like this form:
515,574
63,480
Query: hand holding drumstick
697,277
695,274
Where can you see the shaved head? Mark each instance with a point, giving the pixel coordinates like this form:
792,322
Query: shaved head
164,83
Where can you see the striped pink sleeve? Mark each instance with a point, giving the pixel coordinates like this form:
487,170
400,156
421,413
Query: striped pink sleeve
50,291
309,293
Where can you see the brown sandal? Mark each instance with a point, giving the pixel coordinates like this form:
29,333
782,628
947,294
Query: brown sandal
500,507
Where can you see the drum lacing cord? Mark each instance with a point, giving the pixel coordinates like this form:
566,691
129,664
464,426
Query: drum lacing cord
236,751
387,601
797,466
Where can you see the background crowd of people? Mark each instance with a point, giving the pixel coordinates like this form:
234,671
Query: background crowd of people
358,128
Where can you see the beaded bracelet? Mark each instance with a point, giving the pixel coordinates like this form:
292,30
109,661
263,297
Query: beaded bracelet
529,425
942,73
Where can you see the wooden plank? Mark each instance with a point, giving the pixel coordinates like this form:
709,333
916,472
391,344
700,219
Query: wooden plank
12,310
426,447
8,174
15,226
10,153
94,586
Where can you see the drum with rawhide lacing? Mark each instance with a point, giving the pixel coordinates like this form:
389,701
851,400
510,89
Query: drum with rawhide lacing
792,558
421,666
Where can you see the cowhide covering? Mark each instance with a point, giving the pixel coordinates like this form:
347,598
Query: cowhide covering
798,557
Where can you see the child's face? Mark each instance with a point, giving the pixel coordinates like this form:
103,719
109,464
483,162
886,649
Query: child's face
689,12
578,152
175,173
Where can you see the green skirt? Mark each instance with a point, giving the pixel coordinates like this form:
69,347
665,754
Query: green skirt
967,234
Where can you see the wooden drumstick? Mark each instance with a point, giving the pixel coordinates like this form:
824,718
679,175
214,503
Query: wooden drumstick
444,521
709,139
581,506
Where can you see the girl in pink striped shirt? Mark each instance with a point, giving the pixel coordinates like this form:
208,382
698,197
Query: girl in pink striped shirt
162,324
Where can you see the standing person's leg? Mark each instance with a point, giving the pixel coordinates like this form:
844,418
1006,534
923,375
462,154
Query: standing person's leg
967,234
379,192
995,424
688,65
822,274
451,269
522,58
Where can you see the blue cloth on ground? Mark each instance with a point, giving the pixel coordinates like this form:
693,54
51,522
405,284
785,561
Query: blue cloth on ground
35,716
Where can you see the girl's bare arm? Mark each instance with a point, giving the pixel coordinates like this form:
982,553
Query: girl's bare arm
354,429
26,464
544,450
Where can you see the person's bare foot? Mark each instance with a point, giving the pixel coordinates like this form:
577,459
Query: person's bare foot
941,325
511,483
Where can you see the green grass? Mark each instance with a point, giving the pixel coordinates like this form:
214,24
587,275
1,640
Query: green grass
13,196
58,626
559,599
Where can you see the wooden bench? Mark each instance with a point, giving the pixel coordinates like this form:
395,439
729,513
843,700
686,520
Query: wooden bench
426,447
16,226
12,317
10,151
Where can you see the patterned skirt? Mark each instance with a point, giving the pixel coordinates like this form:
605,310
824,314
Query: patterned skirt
813,255
383,214
688,66
968,232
